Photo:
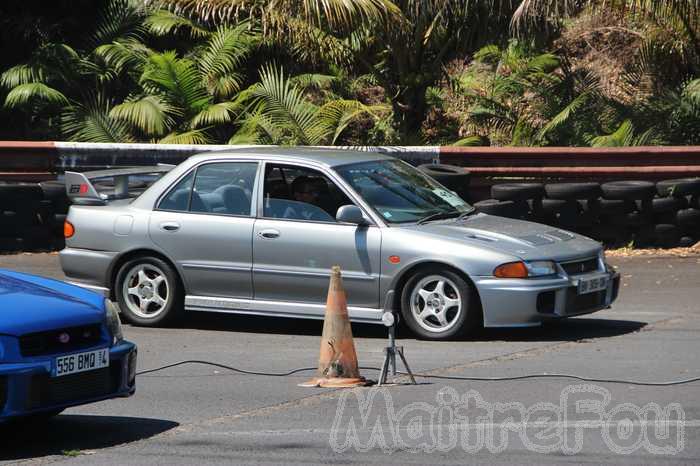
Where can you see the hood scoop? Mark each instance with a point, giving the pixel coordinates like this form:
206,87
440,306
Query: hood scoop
485,238
550,237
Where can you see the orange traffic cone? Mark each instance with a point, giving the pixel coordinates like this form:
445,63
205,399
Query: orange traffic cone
337,364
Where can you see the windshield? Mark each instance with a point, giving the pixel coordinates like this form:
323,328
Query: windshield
401,193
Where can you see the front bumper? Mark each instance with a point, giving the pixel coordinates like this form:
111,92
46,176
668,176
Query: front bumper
28,388
528,302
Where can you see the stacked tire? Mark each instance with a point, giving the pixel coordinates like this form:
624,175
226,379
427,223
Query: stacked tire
675,213
55,196
452,177
665,214
23,217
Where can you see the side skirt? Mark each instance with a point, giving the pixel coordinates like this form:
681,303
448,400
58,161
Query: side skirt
276,308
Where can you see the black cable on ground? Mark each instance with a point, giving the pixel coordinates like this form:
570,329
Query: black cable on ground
434,376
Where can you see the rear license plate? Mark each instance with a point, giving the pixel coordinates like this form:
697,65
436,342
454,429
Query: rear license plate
81,362
593,284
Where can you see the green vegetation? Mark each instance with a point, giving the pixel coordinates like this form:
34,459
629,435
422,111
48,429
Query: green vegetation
498,72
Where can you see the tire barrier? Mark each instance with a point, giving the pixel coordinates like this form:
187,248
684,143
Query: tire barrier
665,214
452,177
618,213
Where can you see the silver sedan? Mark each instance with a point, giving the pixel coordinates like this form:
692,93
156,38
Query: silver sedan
256,231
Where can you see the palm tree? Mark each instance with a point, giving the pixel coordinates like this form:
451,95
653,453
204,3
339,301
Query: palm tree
403,44
516,96
57,87
276,112
679,17
187,99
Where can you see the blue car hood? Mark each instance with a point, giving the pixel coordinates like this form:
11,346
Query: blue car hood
34,304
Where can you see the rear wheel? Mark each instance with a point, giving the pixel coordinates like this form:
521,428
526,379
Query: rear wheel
437,304
149,292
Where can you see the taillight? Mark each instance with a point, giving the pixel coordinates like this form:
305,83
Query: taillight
68,229
511,270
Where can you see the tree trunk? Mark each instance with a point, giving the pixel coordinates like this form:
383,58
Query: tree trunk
409,111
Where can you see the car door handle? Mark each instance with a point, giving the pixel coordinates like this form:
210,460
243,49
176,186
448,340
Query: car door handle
269,234
170,226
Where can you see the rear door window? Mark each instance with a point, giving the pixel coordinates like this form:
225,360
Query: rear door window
224,188
178,199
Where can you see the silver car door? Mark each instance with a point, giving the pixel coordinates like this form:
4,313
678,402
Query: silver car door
293,256
205,225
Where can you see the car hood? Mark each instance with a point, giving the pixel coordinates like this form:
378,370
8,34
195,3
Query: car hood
31,304
526,240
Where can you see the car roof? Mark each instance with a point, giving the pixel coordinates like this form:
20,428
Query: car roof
330,157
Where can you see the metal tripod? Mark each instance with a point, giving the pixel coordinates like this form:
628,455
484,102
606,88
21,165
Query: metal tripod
390,353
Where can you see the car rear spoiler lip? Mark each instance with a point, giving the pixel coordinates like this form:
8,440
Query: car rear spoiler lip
79,185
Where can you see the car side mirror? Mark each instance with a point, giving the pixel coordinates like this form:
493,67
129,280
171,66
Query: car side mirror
351,214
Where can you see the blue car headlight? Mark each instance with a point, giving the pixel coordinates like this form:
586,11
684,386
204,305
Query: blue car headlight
114,325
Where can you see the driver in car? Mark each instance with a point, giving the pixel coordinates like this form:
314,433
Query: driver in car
307,191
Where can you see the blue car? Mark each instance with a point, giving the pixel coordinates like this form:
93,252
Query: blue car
60,346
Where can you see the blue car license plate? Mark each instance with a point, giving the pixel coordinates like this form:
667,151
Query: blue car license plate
81,362
593,284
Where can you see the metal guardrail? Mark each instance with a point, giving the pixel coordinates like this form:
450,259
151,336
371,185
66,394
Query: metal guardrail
36,161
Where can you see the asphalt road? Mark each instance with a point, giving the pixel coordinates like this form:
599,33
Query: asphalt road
198,414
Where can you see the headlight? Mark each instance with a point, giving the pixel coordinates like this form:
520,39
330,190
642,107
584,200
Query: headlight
113,323
541,268
526,269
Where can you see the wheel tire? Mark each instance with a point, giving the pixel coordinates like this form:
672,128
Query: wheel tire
687,241
16,194
466,320
632,219
517,191
155,315
495,207
573,191
611,234
679,188
451,176
667,236
662,205
688,217
615,207
629,190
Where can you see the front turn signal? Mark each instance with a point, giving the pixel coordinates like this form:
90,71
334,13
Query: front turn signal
68,229
511,270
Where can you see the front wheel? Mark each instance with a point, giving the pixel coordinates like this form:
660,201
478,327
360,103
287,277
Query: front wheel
148,292
438,304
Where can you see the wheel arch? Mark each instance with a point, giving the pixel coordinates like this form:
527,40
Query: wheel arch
133,254
401,280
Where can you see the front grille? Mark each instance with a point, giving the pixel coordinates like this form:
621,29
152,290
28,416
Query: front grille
45,390
76,338
580,267
3,392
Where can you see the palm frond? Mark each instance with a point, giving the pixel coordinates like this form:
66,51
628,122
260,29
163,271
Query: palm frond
119,20
91,122
165,22
336,115
192,137
470,141
216,114
34,92
177,79
285,106
21,74
313,80
336,14
150,114
622,136
224,53
127,55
